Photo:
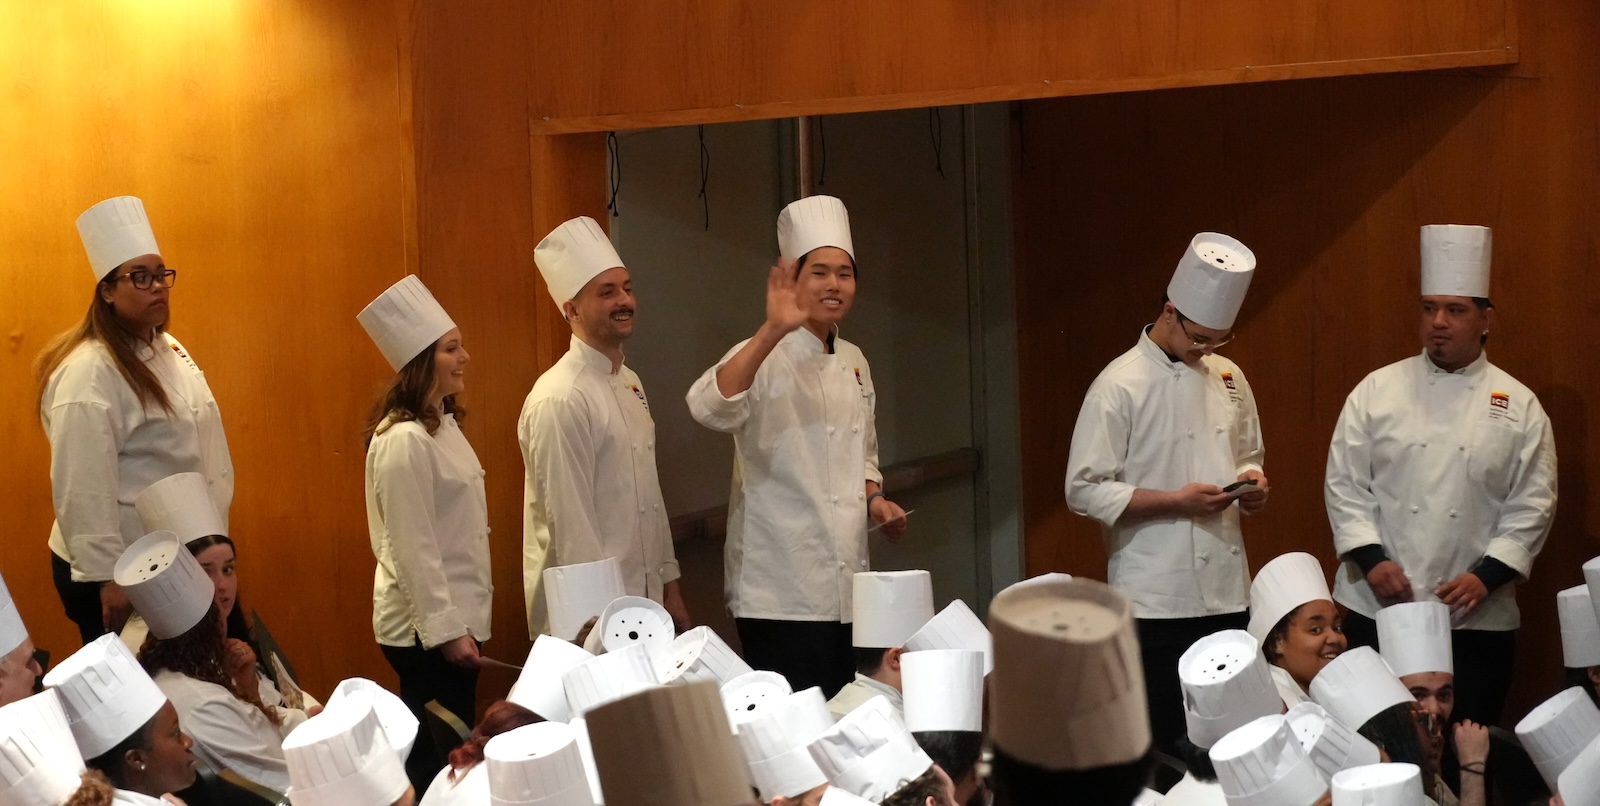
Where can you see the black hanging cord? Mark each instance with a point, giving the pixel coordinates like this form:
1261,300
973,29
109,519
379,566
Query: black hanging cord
936,131
616,173
822,147
705,175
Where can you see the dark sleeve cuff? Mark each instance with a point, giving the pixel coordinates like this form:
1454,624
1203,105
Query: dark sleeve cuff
1493,573
1367,557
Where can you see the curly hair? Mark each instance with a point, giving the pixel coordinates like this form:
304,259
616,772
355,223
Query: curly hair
94,791
406,399
917,791
1270,645
500,717
198,653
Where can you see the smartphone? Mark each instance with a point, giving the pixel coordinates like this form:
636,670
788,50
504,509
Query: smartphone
1239,488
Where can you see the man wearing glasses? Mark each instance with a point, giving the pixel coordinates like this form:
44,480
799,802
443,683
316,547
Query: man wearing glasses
1166,442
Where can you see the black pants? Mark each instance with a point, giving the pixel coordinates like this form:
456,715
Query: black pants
1483,661
426,676
1161,643
806,653
81,600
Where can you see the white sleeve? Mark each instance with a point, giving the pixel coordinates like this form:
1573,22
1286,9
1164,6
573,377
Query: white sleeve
1097,459
1526,515
242,741
1249,451
560,454
870,428
1347,490
402,475
711,409
85,441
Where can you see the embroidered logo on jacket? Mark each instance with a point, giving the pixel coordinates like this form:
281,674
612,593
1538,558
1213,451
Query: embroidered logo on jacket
1499,405
1233,388
640,393
859,382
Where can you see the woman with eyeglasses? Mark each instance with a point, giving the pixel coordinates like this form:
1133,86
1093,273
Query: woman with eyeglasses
123,406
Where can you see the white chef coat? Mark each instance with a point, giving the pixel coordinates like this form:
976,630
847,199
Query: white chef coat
106,447
1154,423
1288,690
471,790
429,525
805,445
228,732
124,797
1192,791
859,691
136,630
591,489
1441,469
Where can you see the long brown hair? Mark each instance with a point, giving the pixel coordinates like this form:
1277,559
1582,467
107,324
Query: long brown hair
93,790
198,653
499,718
406,398
101,324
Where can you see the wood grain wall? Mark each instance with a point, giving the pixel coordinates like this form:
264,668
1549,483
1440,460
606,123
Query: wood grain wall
1327,181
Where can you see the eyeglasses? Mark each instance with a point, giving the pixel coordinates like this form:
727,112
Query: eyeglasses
142,279
1201,342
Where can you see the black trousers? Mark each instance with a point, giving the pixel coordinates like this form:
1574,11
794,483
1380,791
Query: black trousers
1483,661
806,653
425,676
1161,643
81,600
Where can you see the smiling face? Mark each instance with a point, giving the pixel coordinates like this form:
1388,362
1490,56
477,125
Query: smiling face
139,310
1315,637
1453,329
603,310
449,364
218,561
826,286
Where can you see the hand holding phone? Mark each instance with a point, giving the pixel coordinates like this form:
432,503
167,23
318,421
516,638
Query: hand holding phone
1239,488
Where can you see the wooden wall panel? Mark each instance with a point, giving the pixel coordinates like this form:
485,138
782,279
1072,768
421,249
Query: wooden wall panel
1327,181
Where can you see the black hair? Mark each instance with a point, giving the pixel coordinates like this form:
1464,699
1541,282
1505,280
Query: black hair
112,761
1483,303
1196,759
869,660
1278,633
1396,730
917,791
800,262
1018,783
955,751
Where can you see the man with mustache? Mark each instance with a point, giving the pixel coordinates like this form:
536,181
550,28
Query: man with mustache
588,440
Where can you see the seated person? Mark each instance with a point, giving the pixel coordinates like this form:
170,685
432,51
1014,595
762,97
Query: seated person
1415,642
1293,616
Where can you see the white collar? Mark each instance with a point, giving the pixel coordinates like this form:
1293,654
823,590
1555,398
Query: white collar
594,358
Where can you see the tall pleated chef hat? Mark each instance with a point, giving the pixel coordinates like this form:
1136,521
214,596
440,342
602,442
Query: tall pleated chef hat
572,255
1555,732
1580,629
749,695
834,796
943,690
1455,260
1210,282
576,593
1067,691
1046,578
608,677
405,320
812,223
632,620
1580,781
1379,785
165,584
538,687
700,654
1262,764
1415,638
1331,744
105,693
537,765
39,762
180,504
1285,583
342,756
580,731
1357,686
1226,684
889,607
398,723
774,745
12,631
114,232
668,746
955,627
869,752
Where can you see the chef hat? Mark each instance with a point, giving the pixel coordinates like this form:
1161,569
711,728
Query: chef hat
1226,683
1331,744
668,746
943,690
342,756
1068,685
580,732
1557,730
1455,260
869,752
1046,578
537,765
608,677
774,745
699,654
890,606
632,620
749,695
1580,781
180,504
398,723
1580,630
1415,638
539,688
105,693
114,232
12,631
39,761
834,796
812,223
572,255
1210,282
1282,585
576,593
165,584
1357,686
405,320
1262,764
1379,785
956,627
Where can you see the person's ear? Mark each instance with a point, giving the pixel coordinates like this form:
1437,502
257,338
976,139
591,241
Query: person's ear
569,311
133,759
1593,673
892,658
